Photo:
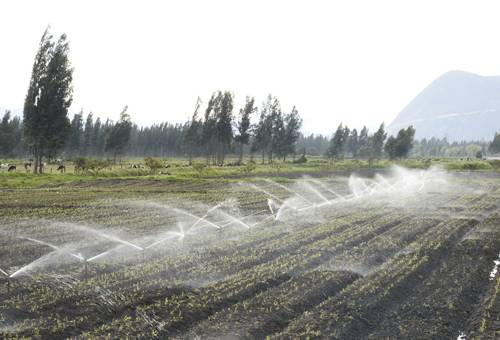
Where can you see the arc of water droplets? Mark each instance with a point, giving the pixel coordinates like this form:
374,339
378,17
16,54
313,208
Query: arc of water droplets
215,207
287,189
56,248
255,187
99,255
324,187
3,272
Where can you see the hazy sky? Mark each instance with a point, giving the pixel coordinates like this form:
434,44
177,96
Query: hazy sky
357,62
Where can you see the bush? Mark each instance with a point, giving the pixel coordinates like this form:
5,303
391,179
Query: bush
90,165
80,164
301,160
154,164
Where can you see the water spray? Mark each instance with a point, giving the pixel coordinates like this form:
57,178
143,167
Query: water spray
324,187
256,187
287,189
215,207
56,248
7,278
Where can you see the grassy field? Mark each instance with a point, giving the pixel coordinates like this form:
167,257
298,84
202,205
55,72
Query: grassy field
178,170
260,254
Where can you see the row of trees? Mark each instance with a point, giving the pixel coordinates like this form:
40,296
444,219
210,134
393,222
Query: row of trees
436,147
317,145
275,134
348,143
97,139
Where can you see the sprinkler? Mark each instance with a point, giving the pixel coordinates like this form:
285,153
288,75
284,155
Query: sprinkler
7,278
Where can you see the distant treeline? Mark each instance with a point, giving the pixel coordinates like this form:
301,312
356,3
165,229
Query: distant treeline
317,144
91,137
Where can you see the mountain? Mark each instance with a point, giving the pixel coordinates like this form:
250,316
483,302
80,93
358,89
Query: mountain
458,105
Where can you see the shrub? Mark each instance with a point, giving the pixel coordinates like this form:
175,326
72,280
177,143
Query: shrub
301,160
154,164
80,164
90,165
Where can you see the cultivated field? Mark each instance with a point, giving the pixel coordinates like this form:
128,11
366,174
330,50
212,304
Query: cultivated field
408,254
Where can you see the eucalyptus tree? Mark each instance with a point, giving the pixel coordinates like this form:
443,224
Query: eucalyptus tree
293,123
88,135
377,143
353,143
45,115
263,130
337,144
193,134
119,135
223,126
7,135
243,125
400,146
74,144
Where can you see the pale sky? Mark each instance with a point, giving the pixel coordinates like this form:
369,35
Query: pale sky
356,62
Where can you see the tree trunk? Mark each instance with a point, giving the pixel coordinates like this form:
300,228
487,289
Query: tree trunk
223,154
241,153
40,166
35,156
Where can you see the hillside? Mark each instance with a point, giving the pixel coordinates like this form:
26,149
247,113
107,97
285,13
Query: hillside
457,105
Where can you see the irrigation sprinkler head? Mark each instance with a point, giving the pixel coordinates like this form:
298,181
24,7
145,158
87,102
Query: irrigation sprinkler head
16,273
181,232
78,256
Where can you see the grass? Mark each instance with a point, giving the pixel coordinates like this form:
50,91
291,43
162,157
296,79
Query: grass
180,171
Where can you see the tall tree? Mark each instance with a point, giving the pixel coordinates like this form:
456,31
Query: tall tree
7,135
337,144
46,124
376,143
208,137
293,123
494,146
263,131
278,133
98,137
353,143
88,134
76,134
400,146
363,143
223,126
119,134
192,136
243,125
